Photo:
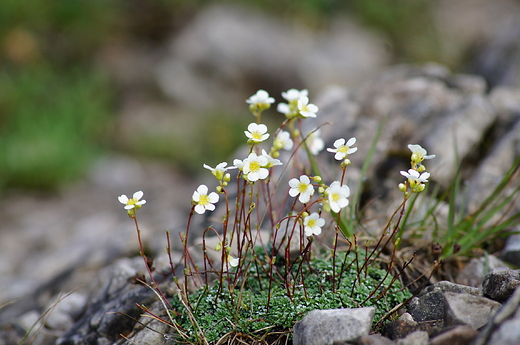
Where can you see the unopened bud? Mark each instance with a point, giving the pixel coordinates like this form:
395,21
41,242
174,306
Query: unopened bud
456,248
416,158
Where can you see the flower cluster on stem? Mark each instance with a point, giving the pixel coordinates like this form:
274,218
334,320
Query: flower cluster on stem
257,192
417,175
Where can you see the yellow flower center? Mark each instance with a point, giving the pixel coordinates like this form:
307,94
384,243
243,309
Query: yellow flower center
311,222
204,200
302,187
336,197
132,201
256,135
254,166
343,149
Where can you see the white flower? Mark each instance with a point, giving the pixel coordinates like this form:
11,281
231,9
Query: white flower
312,224
283,108
306,109
233,262
419,154
219,170
315,143
135,203
259,102
257,132
337,196
254,167
303,187
414,178
260,97
271,162
342,150
294,95
203,200
283,141
239,164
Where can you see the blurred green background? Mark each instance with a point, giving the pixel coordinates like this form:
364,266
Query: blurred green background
59,104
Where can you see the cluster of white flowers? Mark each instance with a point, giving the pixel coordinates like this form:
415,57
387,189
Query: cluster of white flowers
416,176
257,166
297,104
259,102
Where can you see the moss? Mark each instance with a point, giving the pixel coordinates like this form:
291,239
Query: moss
246,311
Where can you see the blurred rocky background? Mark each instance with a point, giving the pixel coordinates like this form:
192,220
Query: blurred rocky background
101,98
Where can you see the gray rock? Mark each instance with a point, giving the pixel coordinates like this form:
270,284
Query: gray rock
507,334
65,310
415,338
429,307
504,327
494,59
506,101
447,286
322,327
225,40
149,331
374,339
459,335
466,309
461,132
112,308
401,327
500,283
474,272
494,167
511,252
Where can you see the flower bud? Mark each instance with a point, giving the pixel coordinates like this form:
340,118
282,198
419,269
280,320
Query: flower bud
317,179
227,177
402,187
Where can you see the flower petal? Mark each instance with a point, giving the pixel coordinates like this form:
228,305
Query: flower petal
122,199
138,195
